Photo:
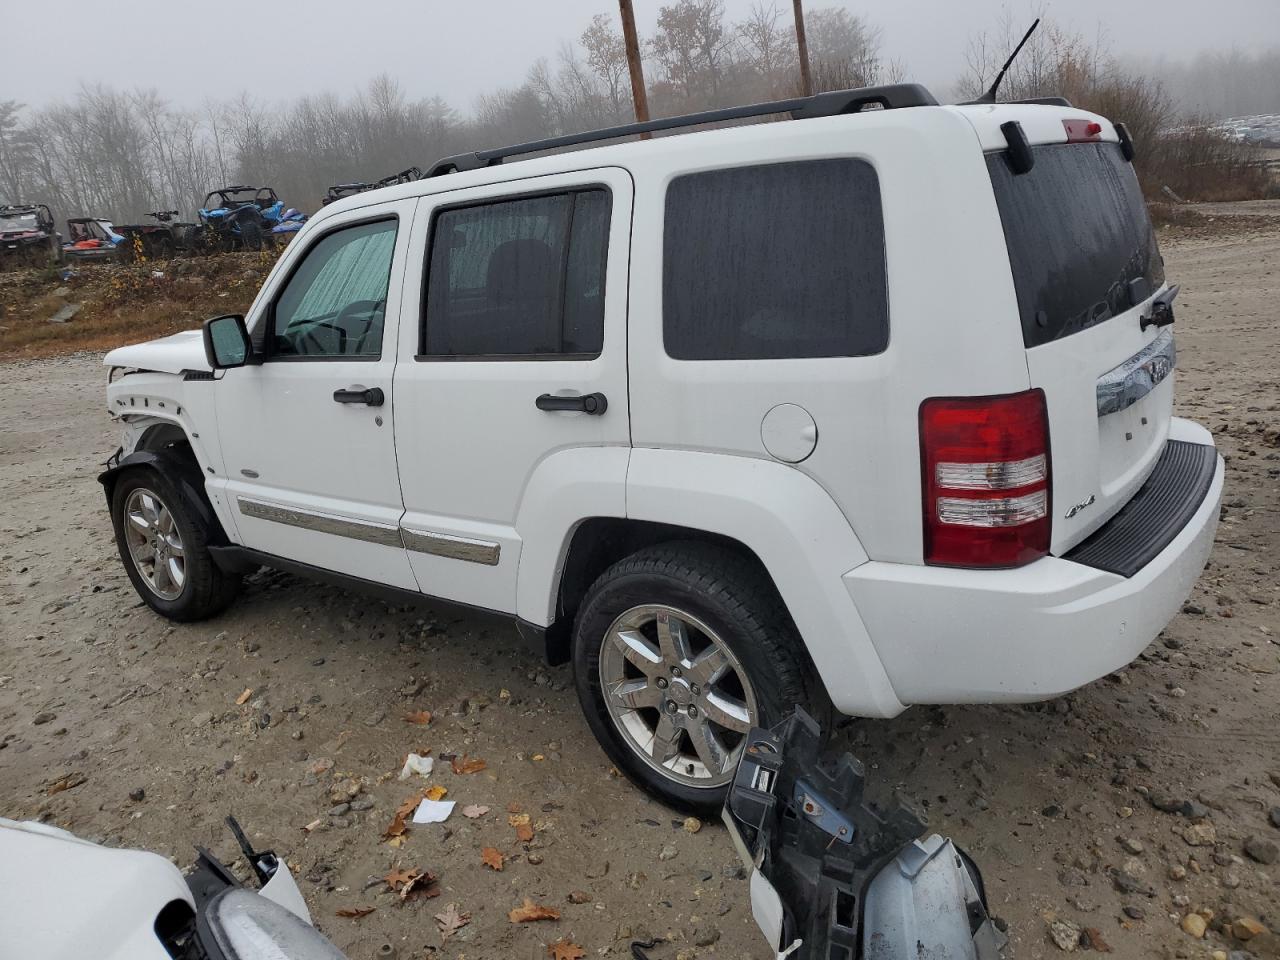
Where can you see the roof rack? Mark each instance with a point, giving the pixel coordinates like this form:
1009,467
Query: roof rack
836,102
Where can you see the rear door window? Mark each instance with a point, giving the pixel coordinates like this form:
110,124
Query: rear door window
1080,242
775,261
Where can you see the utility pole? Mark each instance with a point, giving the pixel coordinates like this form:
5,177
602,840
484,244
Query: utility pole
802,45
638,95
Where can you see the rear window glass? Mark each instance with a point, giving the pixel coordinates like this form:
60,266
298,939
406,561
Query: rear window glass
1080,242
775,261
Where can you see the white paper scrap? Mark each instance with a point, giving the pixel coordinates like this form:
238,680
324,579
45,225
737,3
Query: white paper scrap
433,811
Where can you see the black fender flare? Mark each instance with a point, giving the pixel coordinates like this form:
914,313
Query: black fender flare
185,477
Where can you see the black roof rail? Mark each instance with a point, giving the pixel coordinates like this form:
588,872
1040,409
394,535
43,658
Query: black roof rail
890,97
1046,101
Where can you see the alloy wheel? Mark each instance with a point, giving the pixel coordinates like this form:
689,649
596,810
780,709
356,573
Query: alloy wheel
154,543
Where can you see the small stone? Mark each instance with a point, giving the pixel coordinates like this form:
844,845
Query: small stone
204,718
668,853
375,718
1133,913
1132,845
579,896
1177,872
1274,816
1177,693
706,936
42,718
341,810
1200,834
1262,850
692,825
1065,935
362,803
1052,810
1194,925
1231,880
296,735
1193,608
534,858
137,794
1166,803
318,662
1246,928
1193,810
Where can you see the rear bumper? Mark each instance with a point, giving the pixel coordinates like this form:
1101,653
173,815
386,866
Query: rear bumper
967,636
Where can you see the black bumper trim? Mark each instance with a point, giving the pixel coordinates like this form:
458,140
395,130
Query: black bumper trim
1160,509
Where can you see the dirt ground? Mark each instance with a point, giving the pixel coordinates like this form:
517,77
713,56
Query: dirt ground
151,724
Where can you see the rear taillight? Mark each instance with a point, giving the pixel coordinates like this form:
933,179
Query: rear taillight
986,479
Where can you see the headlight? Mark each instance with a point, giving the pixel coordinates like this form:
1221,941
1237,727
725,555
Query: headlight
246,926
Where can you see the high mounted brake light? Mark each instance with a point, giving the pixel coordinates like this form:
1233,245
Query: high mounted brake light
985,479
1082,131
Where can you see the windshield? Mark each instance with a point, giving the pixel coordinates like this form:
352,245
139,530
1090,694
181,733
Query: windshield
1080,242
15,223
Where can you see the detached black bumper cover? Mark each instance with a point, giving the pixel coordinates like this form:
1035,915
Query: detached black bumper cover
1157,513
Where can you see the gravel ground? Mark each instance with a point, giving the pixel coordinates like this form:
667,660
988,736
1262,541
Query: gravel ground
1123,807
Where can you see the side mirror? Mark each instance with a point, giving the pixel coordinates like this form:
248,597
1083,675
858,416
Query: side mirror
226,342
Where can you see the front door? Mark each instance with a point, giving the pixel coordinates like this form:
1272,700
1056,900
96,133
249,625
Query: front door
512,384
308,434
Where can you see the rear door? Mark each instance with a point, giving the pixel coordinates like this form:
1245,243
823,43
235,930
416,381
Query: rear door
514,350
1085,266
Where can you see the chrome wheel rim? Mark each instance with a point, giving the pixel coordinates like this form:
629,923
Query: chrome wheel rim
155,546
677,694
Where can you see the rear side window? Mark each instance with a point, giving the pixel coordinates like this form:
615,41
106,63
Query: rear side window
775,261
1080,242
518,278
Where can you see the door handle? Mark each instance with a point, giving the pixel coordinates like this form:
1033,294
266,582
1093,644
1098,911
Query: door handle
593,404
371,397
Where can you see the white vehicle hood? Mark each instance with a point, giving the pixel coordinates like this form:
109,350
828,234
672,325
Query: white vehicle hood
63,898
172,354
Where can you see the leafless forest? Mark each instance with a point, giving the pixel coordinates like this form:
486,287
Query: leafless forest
119,153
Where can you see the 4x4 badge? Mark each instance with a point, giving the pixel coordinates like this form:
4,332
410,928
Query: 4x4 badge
1086,502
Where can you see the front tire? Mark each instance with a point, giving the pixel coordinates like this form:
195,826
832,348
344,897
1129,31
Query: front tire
164,548
678,651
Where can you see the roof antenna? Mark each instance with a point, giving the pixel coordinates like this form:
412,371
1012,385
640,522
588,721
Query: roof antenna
990,95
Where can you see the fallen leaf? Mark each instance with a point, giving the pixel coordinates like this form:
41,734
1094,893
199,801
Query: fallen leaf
451,921
492,857
513,807
396,842
466,765
420,717
474,811
398,878
244,697
66,782
424,886
524,833
435,793
397,829
539,757
530,911
565,950
516,819
355,912
410,804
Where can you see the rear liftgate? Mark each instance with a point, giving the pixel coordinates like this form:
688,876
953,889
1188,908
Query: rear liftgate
833,878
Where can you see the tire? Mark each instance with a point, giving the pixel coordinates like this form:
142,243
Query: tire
205,589
715,598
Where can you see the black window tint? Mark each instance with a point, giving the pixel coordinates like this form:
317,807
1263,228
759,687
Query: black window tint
775,261
335,302
1080,242
518,277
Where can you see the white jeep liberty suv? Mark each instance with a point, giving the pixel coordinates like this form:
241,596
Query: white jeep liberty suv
868,408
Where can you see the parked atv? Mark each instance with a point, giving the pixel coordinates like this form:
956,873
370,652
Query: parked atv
164,238
27,235
240,218
92,239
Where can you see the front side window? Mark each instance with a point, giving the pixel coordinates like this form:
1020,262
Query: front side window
775,261
335,303
518,278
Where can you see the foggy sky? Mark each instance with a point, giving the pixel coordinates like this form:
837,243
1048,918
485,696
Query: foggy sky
279,49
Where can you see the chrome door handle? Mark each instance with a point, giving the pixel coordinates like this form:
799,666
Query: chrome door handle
593,404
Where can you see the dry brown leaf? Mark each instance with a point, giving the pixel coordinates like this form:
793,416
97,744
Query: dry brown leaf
524,833
474,811
492,857
396,842
451,921
516,819
467,765
244,697
420,717
435,793
354,913
411,804
565,950
424,886
529,912
513,807
66,782
397,878
397,829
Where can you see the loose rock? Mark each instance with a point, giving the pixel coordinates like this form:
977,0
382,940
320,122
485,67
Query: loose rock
1065,935
1262,850
1194,925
